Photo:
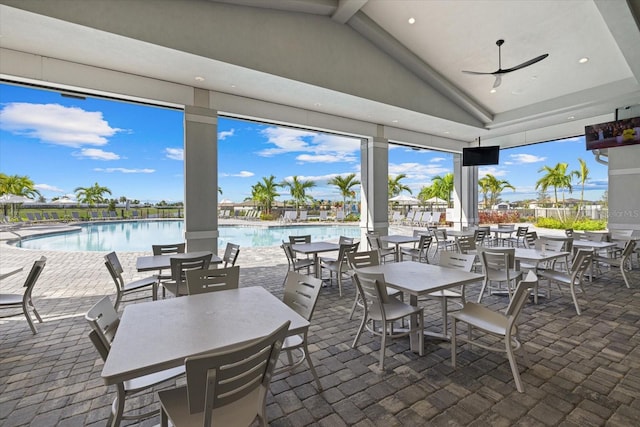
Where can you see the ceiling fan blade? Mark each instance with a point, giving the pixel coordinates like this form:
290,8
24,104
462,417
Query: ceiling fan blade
476,72
525,64
498,81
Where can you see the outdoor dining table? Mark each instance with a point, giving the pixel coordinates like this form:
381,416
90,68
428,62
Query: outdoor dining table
398,240
498,232
8,271
158,335
161,262
315,248
419,279
460,233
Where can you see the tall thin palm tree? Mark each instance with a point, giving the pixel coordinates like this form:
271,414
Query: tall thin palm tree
92,195
265,192
583,175
298,190
484,184
345,185
557,178
396,187
20,186
495,187
443,186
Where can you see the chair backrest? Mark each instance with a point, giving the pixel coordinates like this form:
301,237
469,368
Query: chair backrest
479,235
506,226
54,216
46,215
221,378
373,239
345,249
75,215
301,293
363,259
114,267
179,266
323,215
303,215
231,253
629,247
520,297
498,259
425,243
530,239
38,216
549,245
440,234
168,249
339,215
581,262
211,280
465,244
596,237
32,277
373,288
521,232
300,239
286,247
460,261
344,240
568,232
104,320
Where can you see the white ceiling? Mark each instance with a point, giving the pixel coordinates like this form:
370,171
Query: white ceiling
447,37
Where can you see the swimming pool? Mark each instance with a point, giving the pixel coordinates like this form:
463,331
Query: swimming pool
138,236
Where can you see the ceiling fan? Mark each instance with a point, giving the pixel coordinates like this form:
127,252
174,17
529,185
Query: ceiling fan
500,72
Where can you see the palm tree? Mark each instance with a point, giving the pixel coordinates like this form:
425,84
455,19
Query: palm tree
298,190
443,187
345,184
18,185
557,178
483,183
583,175
495,187
396,187
92,195
265,192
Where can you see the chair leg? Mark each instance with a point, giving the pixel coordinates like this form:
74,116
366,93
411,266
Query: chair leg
575,299
33,307
339,280
117,409
484,286
29,321
624,275
307,355
383,345
355,304
164,420
453,342
360,329
444,316
512,363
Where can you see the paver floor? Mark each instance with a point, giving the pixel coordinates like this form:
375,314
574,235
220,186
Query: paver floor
584,370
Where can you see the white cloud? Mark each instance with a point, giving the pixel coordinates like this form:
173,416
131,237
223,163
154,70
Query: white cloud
483,171
56,124
417,171
315,147
96,154
124,170
241,174
224,134
174,153
526,158
438,159
47,187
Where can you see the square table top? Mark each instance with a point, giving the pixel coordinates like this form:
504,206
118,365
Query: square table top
399,239
161,262
531,254
418,278
158,335
315,247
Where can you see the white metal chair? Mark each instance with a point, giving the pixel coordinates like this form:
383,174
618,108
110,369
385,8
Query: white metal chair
421,252
442,240
622,262
230,256
123,288
167,249
498,266
581,262
365,259
225,388
296,264
104,321
211,280
380,307
24,301
518,239
338,266
177,285
301,295
376,245
463,262
496,324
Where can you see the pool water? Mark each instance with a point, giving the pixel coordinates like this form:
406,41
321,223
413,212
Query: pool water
138,236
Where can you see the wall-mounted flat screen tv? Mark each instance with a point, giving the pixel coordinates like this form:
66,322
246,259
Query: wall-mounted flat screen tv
480,156
613,134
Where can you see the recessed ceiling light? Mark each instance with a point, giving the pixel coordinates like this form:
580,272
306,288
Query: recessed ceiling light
583,60
492,91
570,117
233,86
447,132
199,79
317,104
412,20
394,121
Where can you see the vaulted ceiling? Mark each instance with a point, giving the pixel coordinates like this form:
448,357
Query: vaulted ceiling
362,59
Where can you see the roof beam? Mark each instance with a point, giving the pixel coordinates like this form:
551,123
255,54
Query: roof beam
346,9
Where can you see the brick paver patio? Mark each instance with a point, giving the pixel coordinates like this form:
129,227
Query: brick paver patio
584,371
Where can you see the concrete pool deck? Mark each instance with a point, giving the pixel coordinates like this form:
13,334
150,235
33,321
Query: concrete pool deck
585,370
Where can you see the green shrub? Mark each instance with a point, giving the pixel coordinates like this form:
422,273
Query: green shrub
583,224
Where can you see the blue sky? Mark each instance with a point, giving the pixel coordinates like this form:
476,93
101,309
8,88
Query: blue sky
136,151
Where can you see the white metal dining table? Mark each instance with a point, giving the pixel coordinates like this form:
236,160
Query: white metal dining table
161,262
158,335
398,239
419,279
315,248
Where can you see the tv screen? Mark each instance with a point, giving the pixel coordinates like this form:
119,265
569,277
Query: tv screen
613,134
478,156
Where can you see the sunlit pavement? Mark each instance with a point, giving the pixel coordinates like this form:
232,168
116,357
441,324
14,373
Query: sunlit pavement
585,370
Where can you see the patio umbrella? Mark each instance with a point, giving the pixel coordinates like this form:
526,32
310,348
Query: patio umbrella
401,198
436,201
64,201
14,198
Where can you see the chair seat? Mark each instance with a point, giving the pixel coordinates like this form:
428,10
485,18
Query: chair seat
303,263
150,380
387,251
501,275
292,341
555,275
140,283
11,299
176,289
239,413
394,310
483,318
607,260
